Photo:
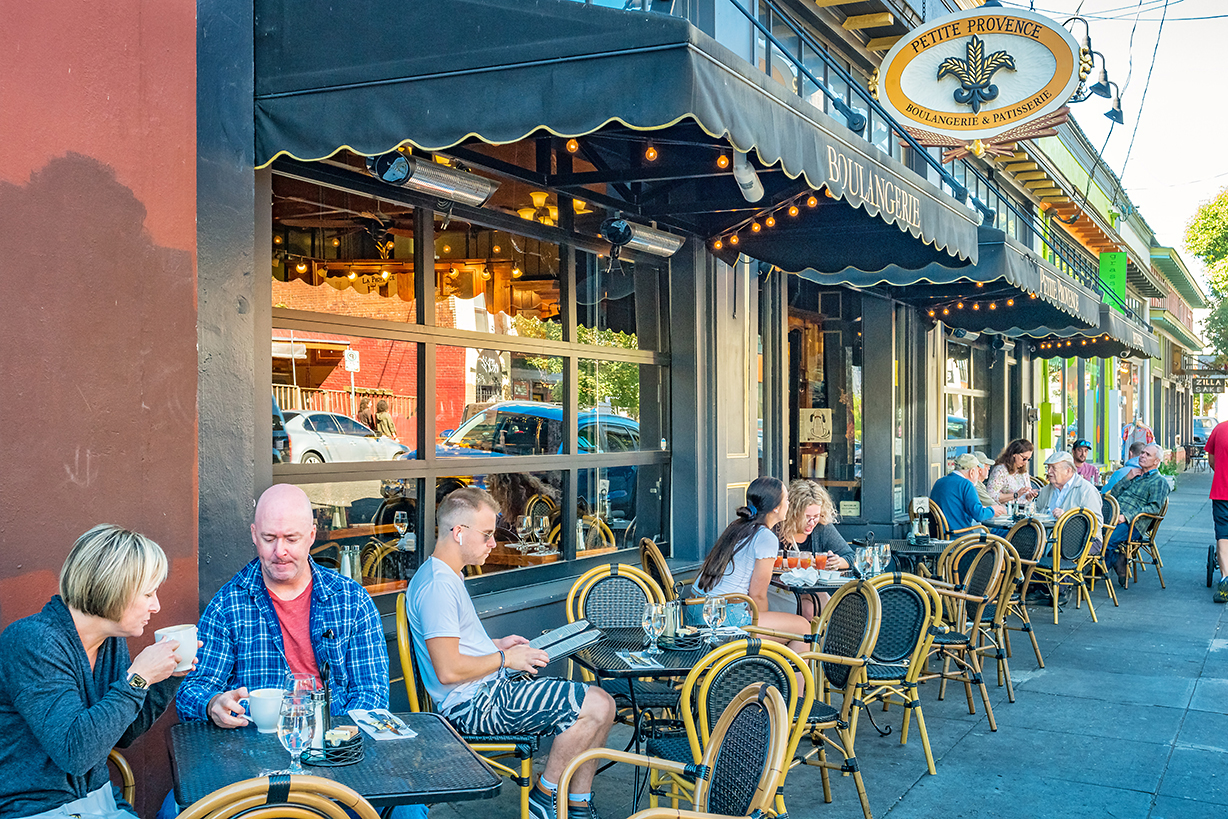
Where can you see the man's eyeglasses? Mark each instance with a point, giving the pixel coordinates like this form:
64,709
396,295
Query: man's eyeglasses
487,535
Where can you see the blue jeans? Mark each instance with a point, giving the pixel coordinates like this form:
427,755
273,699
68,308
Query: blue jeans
1120,533
736,614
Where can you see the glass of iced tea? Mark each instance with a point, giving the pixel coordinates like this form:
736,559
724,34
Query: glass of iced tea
820,561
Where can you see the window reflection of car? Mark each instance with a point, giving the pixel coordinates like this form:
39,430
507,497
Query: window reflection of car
532,428
327,437
281,440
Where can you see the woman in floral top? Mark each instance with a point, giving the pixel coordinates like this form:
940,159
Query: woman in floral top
1008,479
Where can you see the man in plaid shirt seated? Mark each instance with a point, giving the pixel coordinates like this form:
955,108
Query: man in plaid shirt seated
282,613
1142,489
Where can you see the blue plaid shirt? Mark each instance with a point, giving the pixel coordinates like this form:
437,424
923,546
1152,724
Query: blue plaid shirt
243,644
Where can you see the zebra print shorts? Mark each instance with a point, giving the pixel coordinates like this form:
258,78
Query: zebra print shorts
547,706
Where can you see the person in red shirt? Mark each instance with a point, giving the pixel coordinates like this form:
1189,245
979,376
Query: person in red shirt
1217,457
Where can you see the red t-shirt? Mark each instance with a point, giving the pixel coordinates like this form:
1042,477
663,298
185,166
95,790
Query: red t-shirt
1217,446
295,619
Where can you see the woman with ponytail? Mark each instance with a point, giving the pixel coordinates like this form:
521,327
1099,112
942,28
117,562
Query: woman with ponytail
742,559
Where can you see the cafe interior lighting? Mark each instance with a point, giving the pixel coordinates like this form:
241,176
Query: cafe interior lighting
301,267
432,178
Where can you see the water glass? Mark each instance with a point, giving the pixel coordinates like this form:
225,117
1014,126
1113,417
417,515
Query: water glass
295,728
714,616
654,625
401,521
299,687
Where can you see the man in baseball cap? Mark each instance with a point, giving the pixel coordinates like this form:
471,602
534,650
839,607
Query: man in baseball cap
984,464
1079,453
956,496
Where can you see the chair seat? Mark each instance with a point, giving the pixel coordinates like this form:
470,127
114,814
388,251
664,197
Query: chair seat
530,740
876,672
950,638
1064,564
674,747
648,694
822,712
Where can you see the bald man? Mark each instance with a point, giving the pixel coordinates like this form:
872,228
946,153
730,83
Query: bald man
282,613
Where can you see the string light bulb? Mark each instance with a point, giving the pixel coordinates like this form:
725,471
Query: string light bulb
722,161
1010,302
718,244
770,221
755,227
572,146
336,243
733,240
946,311
993,305
959,305
812,201
976,305
650,153
933,312
793,211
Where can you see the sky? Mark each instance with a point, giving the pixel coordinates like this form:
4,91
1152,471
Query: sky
1176,162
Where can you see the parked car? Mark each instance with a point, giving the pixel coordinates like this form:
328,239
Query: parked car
327,437
1202,428
281,439
534,428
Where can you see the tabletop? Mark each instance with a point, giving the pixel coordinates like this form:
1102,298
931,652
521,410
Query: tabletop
1006,521
601,657
435,766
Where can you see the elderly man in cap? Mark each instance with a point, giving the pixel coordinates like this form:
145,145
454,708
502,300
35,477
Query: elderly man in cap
956,495
984,464
1079,452
1142,489
1067,490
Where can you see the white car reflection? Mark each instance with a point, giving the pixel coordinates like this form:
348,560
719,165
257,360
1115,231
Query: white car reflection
326,437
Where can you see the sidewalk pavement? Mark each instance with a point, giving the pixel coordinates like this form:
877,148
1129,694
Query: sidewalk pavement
1127,719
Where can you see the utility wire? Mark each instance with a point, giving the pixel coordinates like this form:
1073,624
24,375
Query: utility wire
1143,99
1130,49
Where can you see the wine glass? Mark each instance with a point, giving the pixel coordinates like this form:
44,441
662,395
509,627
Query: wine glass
401,521
714,615
295,727
299,687
654,625
524,528
541,528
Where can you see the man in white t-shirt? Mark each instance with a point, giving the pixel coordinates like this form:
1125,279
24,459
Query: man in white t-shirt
467,672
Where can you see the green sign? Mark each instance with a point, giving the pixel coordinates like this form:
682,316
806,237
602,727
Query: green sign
1113,277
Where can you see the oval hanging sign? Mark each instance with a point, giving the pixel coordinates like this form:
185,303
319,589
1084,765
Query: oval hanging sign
980,74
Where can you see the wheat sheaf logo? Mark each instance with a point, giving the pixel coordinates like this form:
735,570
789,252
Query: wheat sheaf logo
975,74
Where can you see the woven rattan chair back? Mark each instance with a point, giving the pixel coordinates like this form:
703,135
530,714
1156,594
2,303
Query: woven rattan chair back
655,567
612,596
1028,538
939,528
848,627
909,606
1109,509
747,756
752,668
305,796
1073,534
974,565
415,686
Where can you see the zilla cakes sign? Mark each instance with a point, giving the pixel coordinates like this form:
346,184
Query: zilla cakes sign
981,80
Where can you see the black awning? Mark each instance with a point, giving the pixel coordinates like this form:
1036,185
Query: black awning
1116,335
1010,289
370,77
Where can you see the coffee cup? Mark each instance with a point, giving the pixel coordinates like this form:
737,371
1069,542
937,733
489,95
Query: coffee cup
264,708
186,635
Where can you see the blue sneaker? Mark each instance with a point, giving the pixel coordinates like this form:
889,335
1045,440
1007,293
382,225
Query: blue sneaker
541,804
1221,591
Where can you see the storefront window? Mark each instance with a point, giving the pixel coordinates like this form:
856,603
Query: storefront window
899,370
353,353
966,400
825,366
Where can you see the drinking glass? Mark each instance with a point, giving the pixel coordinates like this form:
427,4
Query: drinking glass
295,727
714,615
654,625
299,687
541,528
401,521
794,556
524,528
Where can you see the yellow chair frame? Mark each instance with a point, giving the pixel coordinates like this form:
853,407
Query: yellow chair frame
310,797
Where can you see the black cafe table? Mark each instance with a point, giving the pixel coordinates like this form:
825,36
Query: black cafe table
435,766
821,587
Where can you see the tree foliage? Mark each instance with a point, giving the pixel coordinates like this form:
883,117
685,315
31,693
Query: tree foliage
1206,237
615,381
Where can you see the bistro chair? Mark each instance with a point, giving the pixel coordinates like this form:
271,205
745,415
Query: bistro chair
1068,559
492,747
1028,539
596,534
1140,544
972,571
911,617
742,766
282,796
655,567
1096,566
613,596
707,691
127,778
992,638
1038,482
940,529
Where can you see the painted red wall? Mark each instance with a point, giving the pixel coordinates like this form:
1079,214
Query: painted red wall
98,288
